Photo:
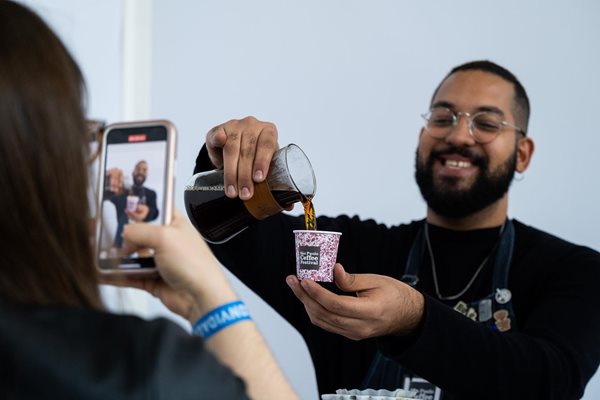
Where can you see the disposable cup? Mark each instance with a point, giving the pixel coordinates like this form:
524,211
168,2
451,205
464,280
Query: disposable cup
132,203
316,253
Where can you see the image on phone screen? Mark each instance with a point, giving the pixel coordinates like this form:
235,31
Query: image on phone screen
133,191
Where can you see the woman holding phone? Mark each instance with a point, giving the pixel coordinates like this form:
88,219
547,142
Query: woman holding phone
56,339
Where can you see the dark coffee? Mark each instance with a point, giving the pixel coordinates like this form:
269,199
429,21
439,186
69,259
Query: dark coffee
309,214
218,217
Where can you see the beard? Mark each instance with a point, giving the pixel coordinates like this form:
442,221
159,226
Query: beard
446,199
138,180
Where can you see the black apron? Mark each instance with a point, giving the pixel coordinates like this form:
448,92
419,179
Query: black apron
494,311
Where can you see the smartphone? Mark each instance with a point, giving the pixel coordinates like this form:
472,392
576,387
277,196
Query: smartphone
135,185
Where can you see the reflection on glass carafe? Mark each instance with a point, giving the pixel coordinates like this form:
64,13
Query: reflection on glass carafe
218,218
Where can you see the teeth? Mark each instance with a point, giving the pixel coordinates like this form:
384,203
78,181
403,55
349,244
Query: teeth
457,164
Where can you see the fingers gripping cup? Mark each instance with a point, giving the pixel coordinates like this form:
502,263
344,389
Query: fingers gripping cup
316,253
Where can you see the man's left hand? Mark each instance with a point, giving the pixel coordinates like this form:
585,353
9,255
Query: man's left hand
382,306
140,213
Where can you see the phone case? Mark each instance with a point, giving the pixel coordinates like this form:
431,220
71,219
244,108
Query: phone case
146,264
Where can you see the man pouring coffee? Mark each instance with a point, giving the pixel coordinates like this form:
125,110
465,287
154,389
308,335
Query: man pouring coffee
134,202
466,303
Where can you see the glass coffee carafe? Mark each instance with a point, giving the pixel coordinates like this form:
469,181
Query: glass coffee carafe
218,218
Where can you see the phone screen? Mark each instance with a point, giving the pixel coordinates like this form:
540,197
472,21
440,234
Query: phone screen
134,189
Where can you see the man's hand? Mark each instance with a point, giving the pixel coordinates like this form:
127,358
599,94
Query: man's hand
140,213
243,148
382,306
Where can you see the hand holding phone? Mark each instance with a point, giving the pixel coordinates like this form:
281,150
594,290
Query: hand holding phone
136,185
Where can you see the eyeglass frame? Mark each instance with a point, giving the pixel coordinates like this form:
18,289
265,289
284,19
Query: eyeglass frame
456,116
95,132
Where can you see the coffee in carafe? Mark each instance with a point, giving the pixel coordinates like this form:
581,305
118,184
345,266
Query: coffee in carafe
218,218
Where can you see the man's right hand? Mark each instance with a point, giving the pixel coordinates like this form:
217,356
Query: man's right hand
243,148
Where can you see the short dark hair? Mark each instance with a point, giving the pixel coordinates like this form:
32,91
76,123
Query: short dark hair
45,251
521,108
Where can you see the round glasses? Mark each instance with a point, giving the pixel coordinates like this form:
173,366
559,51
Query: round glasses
484,126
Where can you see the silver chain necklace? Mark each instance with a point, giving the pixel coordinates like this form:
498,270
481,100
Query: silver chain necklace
435,280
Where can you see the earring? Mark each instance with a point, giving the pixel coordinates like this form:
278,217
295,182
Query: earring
519,176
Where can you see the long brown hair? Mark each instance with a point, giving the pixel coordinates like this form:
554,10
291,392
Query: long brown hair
45,251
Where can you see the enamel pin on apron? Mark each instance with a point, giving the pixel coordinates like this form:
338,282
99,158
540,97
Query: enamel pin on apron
485,310
503,296
502,320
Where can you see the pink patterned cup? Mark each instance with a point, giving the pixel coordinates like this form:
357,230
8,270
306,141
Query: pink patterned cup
132,203
316,253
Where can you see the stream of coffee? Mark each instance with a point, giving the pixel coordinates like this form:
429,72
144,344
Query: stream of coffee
309,214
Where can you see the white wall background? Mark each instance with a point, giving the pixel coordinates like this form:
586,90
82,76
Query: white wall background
347,80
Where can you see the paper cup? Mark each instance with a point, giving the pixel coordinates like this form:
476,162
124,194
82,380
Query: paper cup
132,203
316,253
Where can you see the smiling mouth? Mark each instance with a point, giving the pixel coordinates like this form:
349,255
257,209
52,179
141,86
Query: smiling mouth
456,163
458,159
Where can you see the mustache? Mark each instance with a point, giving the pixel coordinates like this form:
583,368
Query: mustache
468,153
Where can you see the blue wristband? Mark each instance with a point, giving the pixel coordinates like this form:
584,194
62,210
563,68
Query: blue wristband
221,317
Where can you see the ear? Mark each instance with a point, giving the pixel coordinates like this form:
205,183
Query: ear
525,148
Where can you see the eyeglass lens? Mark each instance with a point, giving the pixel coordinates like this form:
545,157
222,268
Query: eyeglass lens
483,126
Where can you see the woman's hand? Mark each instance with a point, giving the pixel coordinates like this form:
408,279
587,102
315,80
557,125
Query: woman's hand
190,281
